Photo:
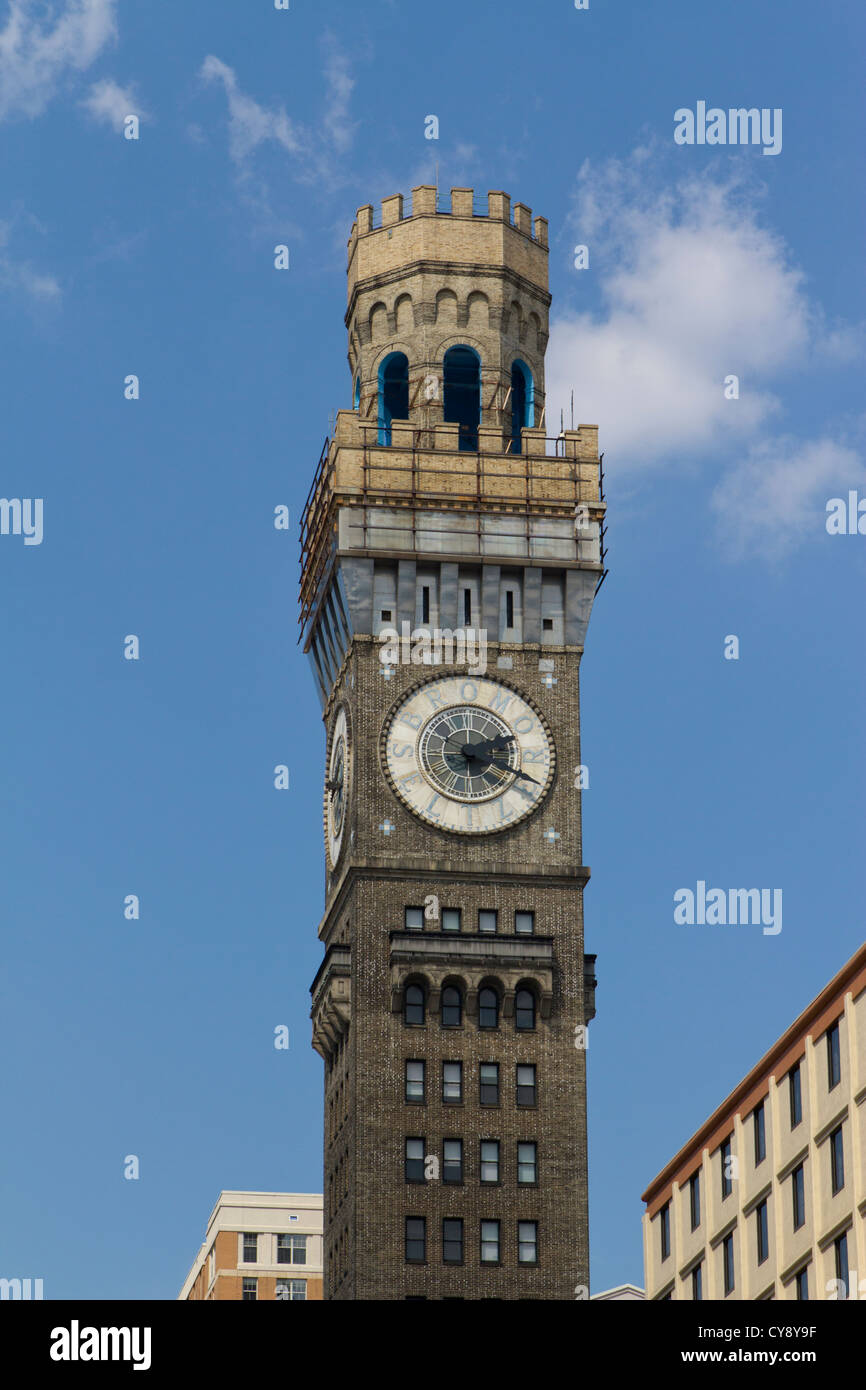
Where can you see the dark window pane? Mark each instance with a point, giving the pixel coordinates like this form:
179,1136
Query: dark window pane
489,1079
488,1008
524,1010
452,1007
416,1239
452,1241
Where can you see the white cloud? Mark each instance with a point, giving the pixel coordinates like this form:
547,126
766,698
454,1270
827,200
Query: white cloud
776,497
108,102
41,43
694,290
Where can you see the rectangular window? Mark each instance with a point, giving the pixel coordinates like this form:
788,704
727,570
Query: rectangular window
251,1248
291,1250
759,1126
834,1072
698,1283
798,1192
413,1161
413,918
524,923
802,1283
452,1241
490,1160
526,1088
248,1292
452,1082
467,607
665,1230
695,1200
527,1242
795,1095
509,608
728,1263
762,1231
416,1240
726,1163
490,1242
488,921
527,1163
452,1160
425,603
451,919
416,1081
837,1161
840,1250
489,1083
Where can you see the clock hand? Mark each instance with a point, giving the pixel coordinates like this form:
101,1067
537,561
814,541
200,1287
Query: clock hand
333,786
525,775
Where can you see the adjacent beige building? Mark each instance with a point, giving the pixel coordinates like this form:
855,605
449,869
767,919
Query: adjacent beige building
768,1198
260,1246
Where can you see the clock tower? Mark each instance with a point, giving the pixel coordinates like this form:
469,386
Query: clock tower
451,552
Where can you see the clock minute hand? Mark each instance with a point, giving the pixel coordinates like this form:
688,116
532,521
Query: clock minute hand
525,775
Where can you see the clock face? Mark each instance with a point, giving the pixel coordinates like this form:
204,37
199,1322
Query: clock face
337,786
468,755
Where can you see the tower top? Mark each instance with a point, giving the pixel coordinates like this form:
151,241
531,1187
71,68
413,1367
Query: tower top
483,232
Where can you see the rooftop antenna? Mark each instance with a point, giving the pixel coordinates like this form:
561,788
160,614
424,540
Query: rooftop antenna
572,407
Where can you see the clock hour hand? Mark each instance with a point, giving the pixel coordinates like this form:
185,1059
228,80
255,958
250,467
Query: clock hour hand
333,786
493,745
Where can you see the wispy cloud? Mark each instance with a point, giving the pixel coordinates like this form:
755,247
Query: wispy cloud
21,276
316,150
777,495
42,43
110,103
250,124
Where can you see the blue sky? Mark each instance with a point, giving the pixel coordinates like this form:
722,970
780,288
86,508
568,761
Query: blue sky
155,257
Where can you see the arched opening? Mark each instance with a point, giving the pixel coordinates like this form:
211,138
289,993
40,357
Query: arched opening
462,405
522,403
393,393
356,393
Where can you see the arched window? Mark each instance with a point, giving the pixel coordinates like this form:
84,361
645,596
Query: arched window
524,1010
393,393
488,1008
356,394
413,1004
452,1007
462,404
522,403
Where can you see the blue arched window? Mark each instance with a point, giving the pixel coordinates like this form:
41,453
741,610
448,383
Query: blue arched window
356,393
462,405
522,402
393,393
